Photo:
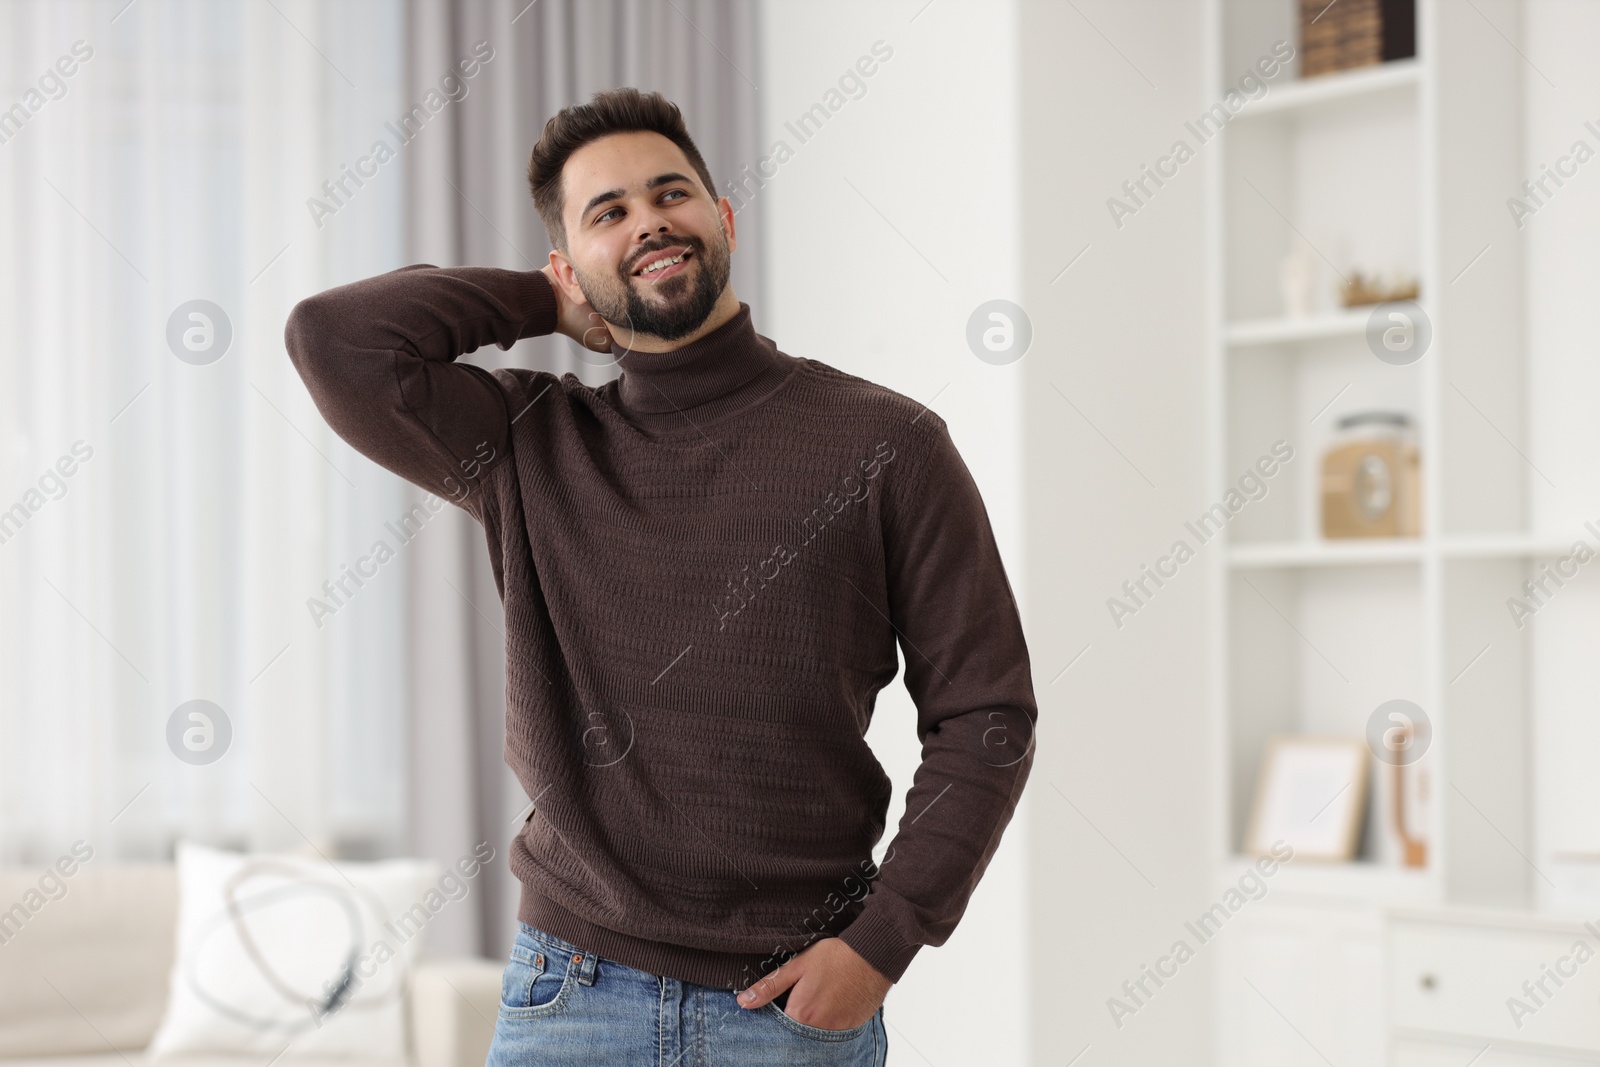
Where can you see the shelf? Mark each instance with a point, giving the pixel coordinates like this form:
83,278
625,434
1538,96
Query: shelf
1331,90
1349,881
1509,546
1356,551
1348,323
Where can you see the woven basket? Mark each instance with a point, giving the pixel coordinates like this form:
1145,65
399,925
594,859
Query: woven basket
1355,33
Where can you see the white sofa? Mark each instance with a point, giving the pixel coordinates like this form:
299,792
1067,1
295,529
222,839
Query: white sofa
83,981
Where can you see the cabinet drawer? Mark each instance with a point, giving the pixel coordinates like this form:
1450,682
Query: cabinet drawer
1459,979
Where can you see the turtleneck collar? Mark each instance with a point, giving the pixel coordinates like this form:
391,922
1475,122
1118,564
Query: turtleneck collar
717,374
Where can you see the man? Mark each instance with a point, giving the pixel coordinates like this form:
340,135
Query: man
705,566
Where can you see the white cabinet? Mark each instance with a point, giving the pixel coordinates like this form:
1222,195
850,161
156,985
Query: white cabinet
1501,980
1306,979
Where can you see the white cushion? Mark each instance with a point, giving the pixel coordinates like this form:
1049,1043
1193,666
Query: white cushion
283,954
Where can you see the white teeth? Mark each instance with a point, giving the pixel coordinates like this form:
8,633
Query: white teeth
661,264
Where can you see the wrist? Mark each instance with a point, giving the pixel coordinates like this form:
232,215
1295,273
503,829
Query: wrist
555,290
563,309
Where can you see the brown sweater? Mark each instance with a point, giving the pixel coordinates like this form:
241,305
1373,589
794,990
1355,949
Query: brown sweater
705,566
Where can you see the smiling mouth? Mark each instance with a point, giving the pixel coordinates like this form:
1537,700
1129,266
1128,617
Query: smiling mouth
664,264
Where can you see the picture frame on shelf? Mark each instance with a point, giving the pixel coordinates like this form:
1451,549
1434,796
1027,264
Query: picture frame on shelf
1312,794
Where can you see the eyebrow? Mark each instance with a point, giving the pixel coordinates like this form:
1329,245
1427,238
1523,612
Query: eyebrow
616,194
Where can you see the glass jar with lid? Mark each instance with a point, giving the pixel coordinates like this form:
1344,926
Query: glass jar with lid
1371,484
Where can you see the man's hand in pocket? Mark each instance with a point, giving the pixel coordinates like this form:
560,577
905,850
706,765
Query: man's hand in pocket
832,987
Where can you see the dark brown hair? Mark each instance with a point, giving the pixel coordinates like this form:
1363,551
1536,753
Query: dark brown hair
612,111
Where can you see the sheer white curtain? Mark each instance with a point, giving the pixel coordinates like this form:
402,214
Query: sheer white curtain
206,502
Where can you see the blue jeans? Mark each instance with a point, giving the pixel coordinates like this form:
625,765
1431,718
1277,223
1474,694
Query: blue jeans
561,1006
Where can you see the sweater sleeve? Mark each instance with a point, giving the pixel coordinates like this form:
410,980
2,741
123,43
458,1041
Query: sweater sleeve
378,357
968,672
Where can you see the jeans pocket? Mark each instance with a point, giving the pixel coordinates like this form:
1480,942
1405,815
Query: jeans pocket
538,980
817,1033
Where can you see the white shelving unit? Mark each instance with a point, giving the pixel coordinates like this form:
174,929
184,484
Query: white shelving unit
1402,166
1314,634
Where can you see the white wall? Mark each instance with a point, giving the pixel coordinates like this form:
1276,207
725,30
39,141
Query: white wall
1562,265
1123,780
931,151
1000,191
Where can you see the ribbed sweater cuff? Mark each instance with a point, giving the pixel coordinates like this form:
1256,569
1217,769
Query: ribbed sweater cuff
875,939
535,303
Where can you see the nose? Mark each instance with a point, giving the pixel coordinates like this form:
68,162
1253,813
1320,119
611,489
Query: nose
650,221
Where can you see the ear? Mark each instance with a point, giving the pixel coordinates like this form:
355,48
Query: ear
566,277
725,212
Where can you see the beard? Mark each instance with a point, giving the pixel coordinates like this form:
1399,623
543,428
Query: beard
686,299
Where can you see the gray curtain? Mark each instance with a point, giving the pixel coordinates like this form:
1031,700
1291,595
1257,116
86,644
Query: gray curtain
468,203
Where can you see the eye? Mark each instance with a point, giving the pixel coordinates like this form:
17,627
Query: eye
671,195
